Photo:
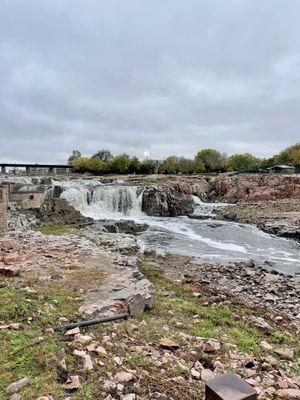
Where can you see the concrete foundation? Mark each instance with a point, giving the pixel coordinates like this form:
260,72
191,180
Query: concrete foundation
27,200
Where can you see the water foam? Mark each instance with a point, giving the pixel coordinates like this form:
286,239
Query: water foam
102,201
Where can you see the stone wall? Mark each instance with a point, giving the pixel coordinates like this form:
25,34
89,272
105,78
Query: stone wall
27,200
3,206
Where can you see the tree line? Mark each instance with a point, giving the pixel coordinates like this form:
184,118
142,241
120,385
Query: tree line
205,161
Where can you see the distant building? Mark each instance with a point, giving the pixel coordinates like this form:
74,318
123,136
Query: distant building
282,169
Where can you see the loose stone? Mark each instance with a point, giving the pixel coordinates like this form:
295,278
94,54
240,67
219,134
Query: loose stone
17,386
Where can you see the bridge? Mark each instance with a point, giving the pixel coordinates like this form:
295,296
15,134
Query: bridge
35,167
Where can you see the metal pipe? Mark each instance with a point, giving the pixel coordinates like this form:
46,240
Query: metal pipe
91,322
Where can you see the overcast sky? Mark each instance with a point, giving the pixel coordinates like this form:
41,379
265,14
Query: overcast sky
164,76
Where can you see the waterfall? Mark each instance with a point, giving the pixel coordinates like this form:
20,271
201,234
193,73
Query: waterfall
77,197
122,200
105,201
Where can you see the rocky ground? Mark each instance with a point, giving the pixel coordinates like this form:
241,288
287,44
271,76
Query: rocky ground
102,265
207,319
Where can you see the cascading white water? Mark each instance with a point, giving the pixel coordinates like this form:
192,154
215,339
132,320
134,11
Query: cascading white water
123,200
77,197
105,201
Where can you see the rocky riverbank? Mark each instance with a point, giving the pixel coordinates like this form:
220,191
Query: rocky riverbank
248,188
271,202
277,217
208,319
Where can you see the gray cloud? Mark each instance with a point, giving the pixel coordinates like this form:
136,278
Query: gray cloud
166,76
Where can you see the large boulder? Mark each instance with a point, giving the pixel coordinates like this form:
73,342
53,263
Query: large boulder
123,226
285,227
168,200
60,212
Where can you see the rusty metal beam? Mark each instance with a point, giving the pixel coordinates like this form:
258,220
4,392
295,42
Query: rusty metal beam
91,322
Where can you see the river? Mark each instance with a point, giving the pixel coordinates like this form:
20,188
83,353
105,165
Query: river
205,239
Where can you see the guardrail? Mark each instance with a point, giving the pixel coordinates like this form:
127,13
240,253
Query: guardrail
263,171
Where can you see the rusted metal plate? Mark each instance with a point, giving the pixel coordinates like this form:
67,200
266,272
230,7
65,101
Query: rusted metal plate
229,387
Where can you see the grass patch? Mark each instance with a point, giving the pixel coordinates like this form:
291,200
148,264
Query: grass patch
152,270
21,355
55,230
218,316
204,333
246,341
282,338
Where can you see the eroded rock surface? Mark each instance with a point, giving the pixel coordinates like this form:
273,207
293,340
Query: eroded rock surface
104,268
168,200
281,217
122,226
255,187
60,212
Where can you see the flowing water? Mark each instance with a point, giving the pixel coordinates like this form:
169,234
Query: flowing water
105,201
202,238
